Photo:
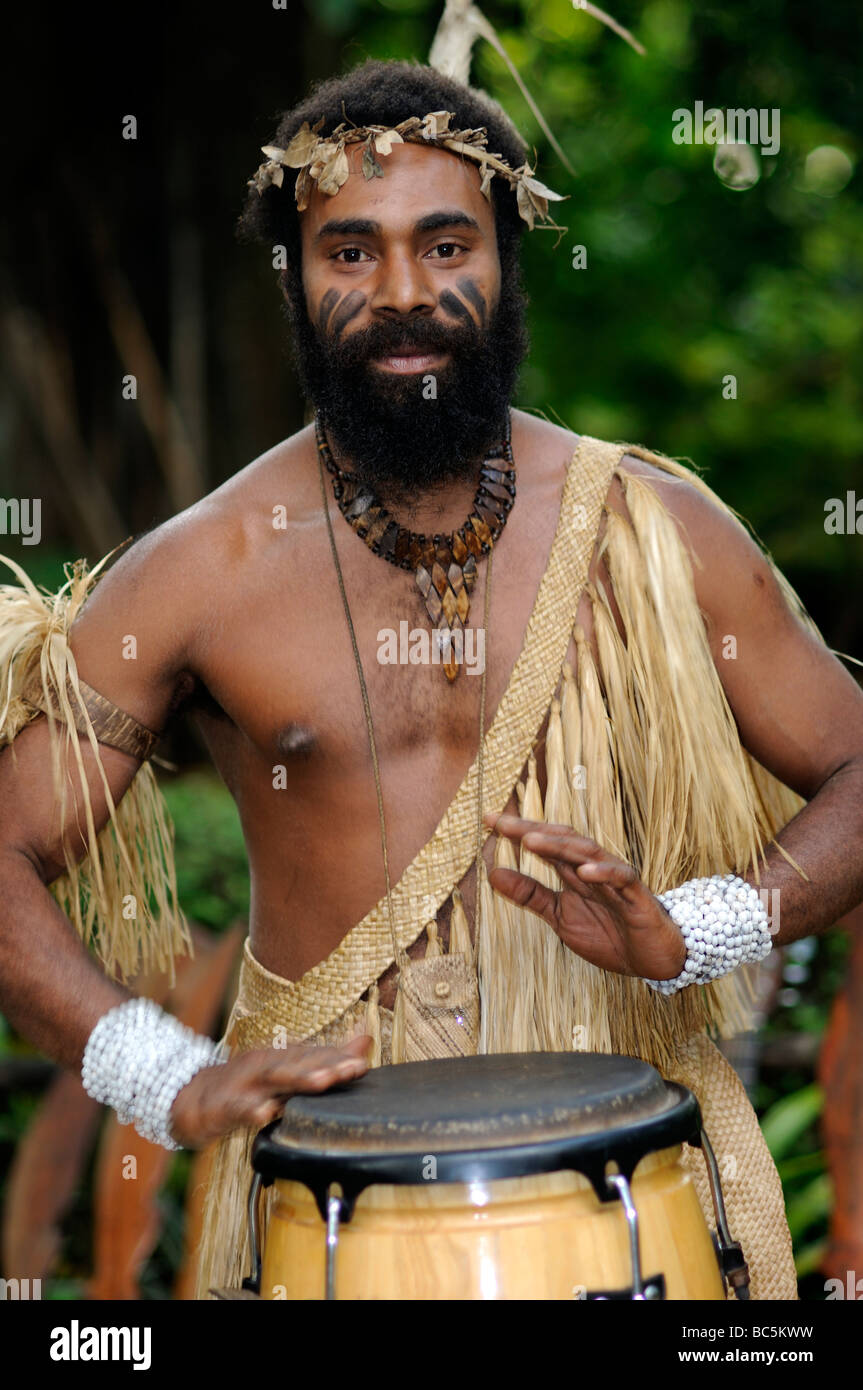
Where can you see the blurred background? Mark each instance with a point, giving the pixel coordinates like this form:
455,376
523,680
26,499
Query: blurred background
119,258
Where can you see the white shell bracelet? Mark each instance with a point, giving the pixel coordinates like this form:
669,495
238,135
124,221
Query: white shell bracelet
137,1059
724,924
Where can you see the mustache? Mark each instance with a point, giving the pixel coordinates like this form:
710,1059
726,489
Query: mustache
403,335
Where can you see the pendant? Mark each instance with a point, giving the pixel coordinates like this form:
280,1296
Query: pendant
446,593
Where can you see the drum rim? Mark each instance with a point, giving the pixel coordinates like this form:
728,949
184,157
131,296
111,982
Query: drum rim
511,1098
588,1154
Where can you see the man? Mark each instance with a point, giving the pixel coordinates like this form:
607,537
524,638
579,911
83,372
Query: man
403,292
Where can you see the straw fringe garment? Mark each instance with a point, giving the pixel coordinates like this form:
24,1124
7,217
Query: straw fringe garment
642,754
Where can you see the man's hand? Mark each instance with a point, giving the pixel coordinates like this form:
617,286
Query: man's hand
251,1089
603,911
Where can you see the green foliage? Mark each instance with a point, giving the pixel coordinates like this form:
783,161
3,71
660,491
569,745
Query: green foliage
810,1205
790,1129
789,1103
789,1118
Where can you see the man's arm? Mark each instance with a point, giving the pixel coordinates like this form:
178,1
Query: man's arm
798,713
52,991
797,709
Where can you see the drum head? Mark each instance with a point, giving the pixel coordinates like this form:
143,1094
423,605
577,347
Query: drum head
481,1118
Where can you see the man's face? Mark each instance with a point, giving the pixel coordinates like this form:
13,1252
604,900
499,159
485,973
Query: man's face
408,342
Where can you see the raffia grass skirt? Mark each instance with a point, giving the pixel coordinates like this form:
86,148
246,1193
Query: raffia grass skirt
750,1182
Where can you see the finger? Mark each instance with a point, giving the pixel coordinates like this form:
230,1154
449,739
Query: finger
322,1079
263,1099
265,1113
526,892
516,826
613,873
557,842
569,875
548,839
513,827
241,1109
314,1070
319,1075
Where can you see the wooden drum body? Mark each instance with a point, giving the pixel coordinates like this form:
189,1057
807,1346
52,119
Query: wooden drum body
544,1176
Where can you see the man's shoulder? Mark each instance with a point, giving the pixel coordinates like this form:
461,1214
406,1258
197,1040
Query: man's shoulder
677,483
726,556
278,482
229,524
699,510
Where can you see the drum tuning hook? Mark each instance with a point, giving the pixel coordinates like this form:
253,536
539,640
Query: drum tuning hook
731,1262
618,1181
252,1283
334,1217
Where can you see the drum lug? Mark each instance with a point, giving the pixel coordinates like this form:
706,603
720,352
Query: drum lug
653,1289
732,1264
252,1283
334,1218
619,1182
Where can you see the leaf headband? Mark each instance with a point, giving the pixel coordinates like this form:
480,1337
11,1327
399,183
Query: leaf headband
324,161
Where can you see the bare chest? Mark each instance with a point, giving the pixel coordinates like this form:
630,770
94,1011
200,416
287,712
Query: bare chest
288,724
284,659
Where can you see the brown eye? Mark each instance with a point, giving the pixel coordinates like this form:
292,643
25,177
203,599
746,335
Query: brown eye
448,249
352,252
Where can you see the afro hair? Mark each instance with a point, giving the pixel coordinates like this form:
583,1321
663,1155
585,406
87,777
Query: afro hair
385,93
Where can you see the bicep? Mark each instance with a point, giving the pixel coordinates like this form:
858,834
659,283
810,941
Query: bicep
798,711
32,823
132,639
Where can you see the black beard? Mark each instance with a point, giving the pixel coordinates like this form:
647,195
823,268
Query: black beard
396,439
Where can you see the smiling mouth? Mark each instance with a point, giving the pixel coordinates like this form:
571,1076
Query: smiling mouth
410,360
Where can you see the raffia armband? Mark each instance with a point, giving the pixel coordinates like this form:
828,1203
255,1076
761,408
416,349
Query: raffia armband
111,725
121,894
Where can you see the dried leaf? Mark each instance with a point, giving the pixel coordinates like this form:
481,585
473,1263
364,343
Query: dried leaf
267,174
325,151
303,189
334,173
273,152
525,204
371,168
485,181
541,191
385,142
436,124
302,147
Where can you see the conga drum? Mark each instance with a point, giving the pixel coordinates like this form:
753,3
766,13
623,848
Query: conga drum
536,1176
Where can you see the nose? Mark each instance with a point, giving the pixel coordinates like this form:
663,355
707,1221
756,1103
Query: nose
402,287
